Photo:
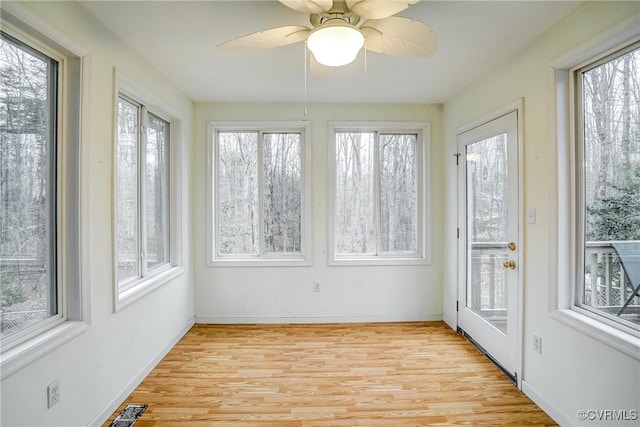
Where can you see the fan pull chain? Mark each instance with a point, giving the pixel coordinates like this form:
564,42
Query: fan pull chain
365,55
305,78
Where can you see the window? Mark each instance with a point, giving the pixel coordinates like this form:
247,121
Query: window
259,193
378,190
40,287
607,148
28,186
143,221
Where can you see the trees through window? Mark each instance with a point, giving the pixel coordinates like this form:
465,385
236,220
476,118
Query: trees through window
142,195
378,192
259,185
28,190
608,144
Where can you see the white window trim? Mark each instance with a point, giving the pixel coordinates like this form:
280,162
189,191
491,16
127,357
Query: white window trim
423,129
73,218
123,296
563,227
304,259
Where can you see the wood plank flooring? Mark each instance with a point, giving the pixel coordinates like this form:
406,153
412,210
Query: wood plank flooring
372,374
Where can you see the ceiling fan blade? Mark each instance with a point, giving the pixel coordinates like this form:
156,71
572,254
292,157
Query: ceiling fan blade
308,6
399,36
378,9
267,39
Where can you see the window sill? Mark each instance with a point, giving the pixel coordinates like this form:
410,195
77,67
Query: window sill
260,262
378,261
626,342
16,358
145,286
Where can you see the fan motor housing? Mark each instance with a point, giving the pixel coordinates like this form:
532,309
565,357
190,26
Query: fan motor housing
317,19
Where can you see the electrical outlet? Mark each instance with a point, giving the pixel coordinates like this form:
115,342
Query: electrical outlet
316,286
537,344
53,393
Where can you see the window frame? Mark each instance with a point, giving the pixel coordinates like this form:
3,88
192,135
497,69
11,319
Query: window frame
566,222
73,314
150,279
577,123
53,174
261,260
423,255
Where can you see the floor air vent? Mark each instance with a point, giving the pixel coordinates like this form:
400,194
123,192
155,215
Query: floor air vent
128,416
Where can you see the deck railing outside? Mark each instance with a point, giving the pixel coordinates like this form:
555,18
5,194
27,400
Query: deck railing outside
606,285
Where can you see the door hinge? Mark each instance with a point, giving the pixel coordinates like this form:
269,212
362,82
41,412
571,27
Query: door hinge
457,305
457,156
458,233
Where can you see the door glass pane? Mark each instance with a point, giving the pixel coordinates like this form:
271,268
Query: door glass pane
27,186
355,194
237,192
399,193
127,191
487,197
282,163
157,191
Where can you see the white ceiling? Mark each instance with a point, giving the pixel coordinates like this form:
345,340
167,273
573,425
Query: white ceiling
179,38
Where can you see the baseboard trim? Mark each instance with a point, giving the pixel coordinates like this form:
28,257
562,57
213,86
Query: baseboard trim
318,319
104,415
545,405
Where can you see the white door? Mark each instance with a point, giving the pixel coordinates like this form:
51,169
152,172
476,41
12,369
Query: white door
489,247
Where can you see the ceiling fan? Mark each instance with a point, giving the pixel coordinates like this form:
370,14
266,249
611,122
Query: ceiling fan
337,33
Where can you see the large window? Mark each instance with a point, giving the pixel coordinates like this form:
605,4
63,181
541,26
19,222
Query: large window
608,186
378,192
258,193
40,213
143,220
28,175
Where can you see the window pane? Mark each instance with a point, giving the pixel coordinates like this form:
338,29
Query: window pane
282,162
27,186
127,191
611,126
487,190
355,195
399,193
237,192
157,191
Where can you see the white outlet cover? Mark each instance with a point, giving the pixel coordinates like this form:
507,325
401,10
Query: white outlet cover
53,393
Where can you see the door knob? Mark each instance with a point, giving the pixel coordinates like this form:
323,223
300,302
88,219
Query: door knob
511,264
511,246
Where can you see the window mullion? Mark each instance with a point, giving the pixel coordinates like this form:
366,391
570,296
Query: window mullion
142,177
377,193
578,294
215,193
55,202
168,146
260,203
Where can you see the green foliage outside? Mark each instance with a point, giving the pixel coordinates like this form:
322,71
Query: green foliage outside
616,216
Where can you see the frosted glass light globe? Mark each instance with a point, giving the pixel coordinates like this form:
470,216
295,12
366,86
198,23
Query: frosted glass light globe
335,44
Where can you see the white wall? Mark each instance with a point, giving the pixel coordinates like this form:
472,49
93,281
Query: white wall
574,372
284,294
96,367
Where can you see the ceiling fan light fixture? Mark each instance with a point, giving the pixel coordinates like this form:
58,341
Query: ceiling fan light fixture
335,43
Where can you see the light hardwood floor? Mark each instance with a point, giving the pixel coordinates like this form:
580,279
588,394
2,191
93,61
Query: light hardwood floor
372,374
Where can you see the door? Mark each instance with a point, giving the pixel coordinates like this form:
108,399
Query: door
489,247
